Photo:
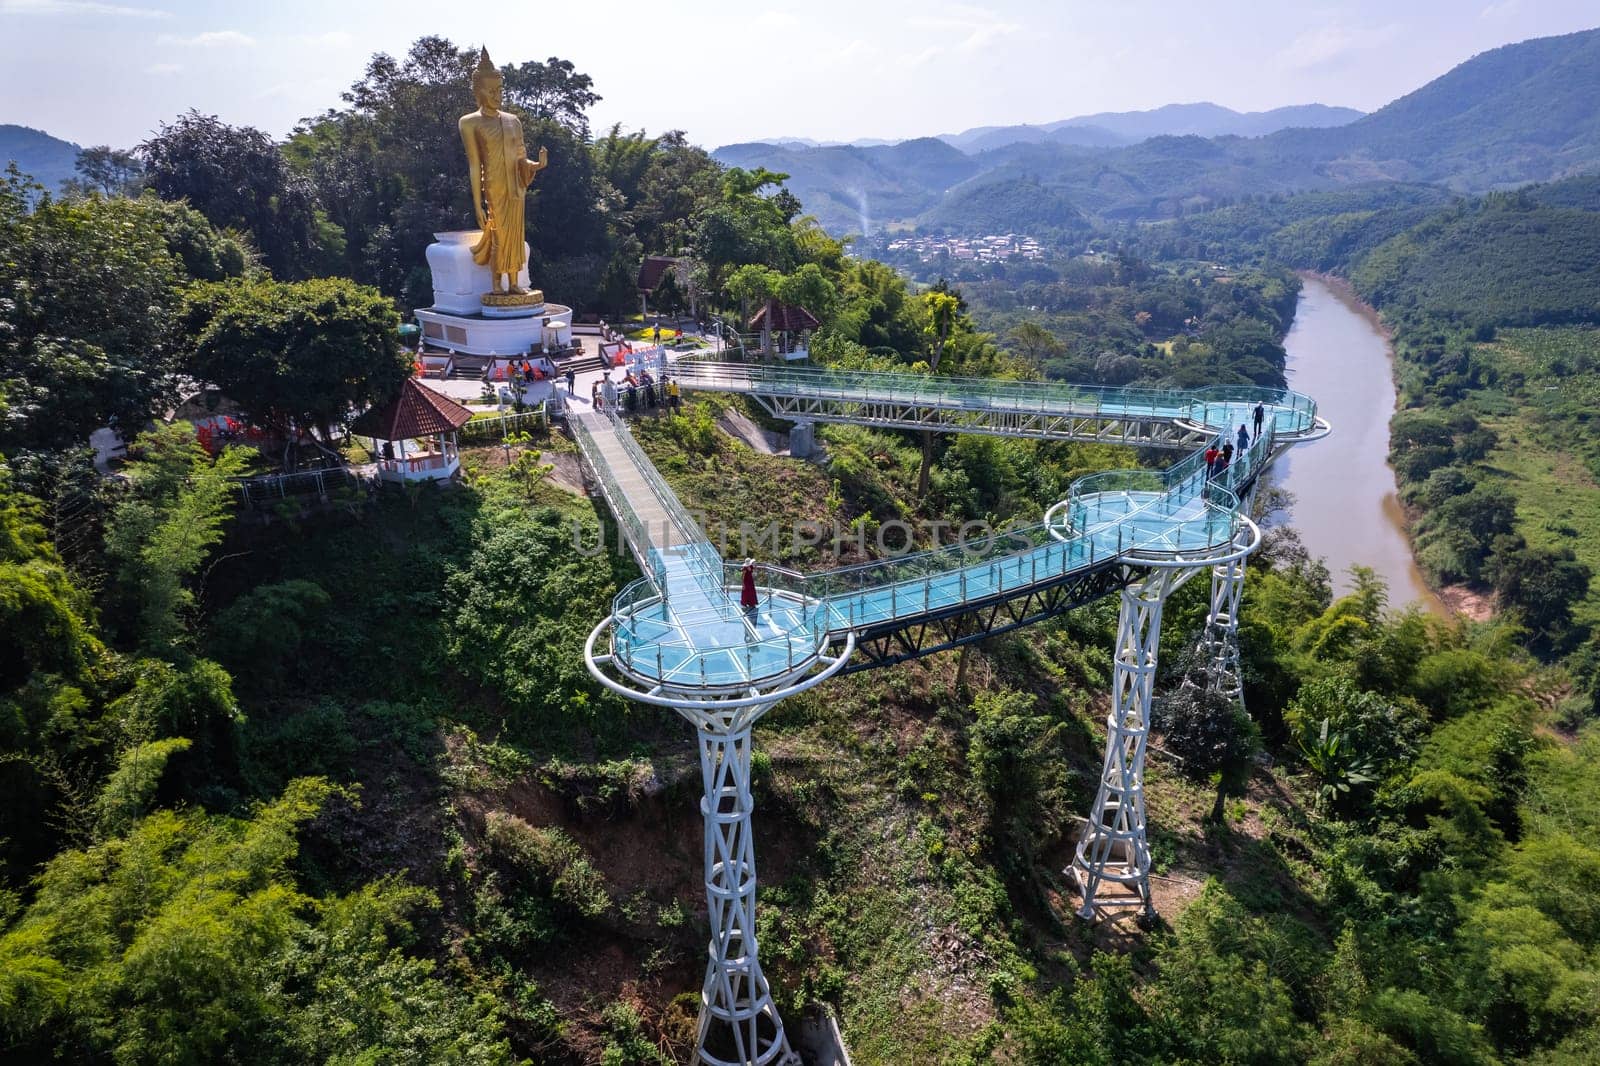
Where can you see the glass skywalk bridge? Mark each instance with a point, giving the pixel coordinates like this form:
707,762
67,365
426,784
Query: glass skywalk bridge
680,627
678,638
1174,418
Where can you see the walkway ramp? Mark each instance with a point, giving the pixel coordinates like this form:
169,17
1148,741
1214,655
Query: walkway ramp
686,627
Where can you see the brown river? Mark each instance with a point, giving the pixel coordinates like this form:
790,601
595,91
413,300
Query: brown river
1345,503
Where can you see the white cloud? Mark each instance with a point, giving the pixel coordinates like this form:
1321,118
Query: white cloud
163,68
77,7
973,27
331,39
1500,9
210,39
1329,45
854,51
776,20
958,29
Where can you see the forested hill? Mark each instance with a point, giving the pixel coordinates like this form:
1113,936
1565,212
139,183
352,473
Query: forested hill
852,189
49,160
1518,113
1506,261
1521,113
1522,258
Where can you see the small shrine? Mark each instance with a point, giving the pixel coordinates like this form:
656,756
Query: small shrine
425,420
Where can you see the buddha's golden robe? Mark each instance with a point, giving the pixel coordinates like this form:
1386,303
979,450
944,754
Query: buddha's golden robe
498,157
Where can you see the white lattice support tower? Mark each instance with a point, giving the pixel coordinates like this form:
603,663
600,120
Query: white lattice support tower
739,1022
1219,644
1113,848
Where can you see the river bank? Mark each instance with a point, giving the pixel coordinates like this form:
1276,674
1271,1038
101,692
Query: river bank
1346,500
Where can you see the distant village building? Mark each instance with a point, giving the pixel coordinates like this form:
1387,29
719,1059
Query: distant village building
993,248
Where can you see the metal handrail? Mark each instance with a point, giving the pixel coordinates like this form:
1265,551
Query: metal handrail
964,393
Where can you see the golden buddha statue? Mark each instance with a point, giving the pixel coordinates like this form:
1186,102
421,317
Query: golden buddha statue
500,172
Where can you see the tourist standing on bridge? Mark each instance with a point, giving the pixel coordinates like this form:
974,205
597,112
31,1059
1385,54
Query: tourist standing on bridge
1227,457
1211,460
1260,416
747,592
1244,438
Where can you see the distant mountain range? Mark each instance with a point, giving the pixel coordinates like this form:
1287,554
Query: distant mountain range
48,159
1524,112
1115,128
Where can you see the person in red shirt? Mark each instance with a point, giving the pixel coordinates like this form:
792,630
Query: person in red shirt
1211,461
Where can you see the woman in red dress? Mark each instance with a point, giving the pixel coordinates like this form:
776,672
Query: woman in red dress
747,594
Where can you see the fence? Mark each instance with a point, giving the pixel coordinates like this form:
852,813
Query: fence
267,489
502,426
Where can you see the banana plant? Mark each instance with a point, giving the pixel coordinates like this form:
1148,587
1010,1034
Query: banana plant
1337,766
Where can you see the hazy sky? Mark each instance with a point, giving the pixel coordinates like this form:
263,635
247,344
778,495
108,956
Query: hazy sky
107,71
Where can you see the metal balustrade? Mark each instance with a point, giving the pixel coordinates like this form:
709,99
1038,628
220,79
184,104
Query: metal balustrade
1049,410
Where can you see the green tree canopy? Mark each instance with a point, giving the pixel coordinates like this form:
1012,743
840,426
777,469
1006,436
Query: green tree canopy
307,354
88,305
185,938
237,178
165,529
1211,734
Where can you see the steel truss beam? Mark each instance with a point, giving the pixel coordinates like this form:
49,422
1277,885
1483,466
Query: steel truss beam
904,414
885,645
1219,641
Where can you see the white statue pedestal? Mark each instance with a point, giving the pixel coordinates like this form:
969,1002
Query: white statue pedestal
458,319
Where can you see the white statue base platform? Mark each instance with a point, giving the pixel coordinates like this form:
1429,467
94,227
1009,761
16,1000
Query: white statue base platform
458,319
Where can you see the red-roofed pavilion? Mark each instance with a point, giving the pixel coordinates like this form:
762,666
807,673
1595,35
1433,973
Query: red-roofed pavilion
423,418
783,318
785,328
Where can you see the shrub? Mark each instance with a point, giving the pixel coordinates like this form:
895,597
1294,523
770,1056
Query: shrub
551,858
